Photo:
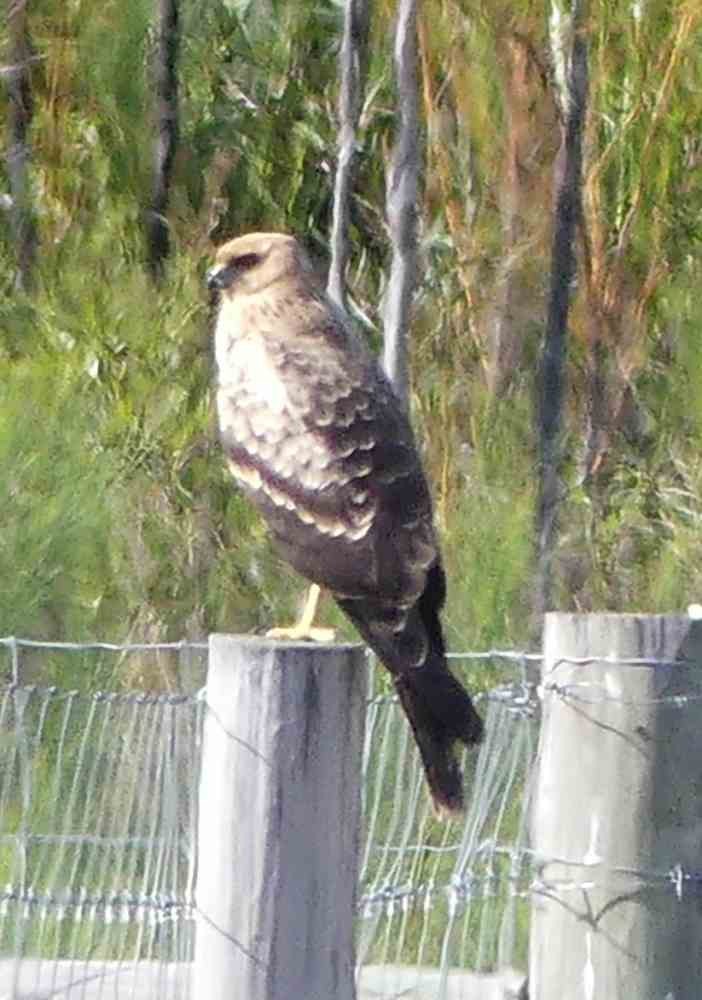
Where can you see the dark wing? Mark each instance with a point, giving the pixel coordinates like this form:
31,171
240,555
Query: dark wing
332,465
333,469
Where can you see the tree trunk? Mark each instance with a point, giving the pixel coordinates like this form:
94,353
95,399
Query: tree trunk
166,89
402,195
352,67
552,374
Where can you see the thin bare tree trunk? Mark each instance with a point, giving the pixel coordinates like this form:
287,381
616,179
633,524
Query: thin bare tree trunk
166,88
19,121
552,375
352,65
401,204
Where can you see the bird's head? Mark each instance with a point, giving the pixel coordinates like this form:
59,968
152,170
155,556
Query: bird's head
251,263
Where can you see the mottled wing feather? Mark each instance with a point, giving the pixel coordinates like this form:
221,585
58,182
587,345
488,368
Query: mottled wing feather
335,459
316,438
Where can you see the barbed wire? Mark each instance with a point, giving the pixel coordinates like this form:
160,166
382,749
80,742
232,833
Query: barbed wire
521,696
14,644
124,907
127,906
572,692
484,869
519,656
12,641
473,884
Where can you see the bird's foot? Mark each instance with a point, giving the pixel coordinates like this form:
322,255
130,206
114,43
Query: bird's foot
304,629
301,632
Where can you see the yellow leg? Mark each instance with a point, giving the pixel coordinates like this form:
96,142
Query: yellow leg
304,629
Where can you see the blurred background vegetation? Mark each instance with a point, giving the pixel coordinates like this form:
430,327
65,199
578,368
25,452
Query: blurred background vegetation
118,520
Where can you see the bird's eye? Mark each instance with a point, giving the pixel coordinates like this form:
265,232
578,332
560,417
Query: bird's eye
245,262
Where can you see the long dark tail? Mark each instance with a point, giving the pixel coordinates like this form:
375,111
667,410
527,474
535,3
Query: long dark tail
438,707
441,714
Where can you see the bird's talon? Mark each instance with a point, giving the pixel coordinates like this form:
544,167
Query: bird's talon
295,634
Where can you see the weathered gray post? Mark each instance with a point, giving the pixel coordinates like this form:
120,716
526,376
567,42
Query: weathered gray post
619,792
279,821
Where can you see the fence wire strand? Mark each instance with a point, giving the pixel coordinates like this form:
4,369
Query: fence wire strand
97,821
98,796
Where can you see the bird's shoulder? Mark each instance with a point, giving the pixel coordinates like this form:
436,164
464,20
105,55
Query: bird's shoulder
310,416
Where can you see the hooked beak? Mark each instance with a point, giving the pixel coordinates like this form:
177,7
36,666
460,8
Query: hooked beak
216,278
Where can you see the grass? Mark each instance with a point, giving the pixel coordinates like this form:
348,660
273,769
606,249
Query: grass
118,519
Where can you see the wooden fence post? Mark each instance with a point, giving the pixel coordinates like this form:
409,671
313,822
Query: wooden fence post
619,792
279,820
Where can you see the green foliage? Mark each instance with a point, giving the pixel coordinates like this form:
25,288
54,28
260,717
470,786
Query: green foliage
119,519
489,551
50,548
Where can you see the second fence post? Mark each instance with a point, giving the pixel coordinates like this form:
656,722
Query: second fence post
279,821
617,821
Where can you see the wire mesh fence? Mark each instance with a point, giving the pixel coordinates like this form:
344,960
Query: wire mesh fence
98,802
454,897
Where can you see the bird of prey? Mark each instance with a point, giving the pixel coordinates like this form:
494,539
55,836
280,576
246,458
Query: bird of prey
316,438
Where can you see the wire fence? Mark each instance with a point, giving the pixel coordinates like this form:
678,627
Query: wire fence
98,798
97,817
98,821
